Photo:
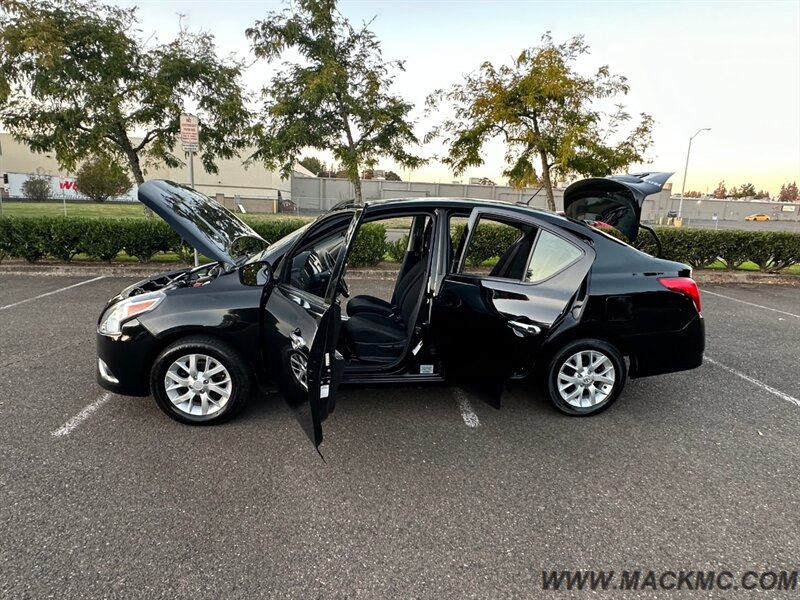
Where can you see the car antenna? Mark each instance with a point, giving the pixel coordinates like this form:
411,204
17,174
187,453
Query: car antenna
528,203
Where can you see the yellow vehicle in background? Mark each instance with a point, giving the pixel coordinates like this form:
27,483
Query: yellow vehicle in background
757,217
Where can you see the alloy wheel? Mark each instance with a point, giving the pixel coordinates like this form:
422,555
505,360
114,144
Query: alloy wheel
299,365
586,379
198,385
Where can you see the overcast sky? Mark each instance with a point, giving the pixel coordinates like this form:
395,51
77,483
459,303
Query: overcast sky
730,66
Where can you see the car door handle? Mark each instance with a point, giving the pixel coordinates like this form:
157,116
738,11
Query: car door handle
524,328
298,343
448,300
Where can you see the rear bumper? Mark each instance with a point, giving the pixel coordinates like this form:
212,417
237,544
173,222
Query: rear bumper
656,354
124,360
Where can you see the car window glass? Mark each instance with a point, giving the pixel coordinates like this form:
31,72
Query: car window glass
550,255
283,244
498,249
458,233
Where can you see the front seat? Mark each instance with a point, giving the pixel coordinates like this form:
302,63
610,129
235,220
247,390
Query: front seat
380,338
364,303
371,304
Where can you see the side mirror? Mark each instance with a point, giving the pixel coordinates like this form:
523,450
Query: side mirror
256,274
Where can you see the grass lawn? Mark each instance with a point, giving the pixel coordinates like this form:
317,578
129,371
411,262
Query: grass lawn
74,209
748,266
133,210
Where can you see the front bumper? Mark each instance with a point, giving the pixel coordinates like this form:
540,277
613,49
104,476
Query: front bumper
123,365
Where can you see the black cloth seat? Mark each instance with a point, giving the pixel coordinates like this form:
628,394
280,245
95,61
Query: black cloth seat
513,263
364,303
382,337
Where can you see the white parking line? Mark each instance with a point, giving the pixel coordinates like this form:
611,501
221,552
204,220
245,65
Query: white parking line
64,289
760,384
87,412
469,416
783,312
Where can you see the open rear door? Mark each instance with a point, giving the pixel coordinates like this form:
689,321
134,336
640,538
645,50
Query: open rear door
489,326
301,332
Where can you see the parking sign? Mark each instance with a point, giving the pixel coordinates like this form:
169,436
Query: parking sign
190,131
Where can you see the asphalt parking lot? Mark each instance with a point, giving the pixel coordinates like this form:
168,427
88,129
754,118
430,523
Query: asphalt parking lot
424,492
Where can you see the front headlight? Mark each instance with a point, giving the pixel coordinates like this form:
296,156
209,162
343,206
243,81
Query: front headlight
112,320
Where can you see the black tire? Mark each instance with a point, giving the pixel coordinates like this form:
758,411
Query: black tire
567,354
220,353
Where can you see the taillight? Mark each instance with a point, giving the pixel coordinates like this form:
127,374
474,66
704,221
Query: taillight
684,285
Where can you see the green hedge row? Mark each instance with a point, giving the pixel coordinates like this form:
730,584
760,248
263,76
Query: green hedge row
102,239
770,250
490,241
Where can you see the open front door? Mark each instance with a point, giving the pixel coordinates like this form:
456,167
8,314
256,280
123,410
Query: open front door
301,322
489,325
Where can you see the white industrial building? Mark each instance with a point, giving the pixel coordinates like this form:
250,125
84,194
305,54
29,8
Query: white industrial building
254,187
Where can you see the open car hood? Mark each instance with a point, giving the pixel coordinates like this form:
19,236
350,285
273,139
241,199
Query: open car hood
616,200
203,223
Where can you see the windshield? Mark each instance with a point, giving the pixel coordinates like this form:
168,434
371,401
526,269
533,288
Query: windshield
278,248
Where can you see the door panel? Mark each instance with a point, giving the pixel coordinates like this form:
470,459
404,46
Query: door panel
487,328
300,335
291,328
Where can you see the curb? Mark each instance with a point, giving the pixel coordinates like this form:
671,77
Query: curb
703,277
720,277
54,269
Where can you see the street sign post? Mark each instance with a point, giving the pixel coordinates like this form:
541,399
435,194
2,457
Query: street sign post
190,131
190,138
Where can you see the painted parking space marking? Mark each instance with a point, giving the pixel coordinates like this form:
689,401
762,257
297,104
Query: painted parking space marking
58,291
78,419
783,312
756,382
464,406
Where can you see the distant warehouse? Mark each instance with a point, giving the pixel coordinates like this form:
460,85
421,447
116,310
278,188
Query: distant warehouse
255,188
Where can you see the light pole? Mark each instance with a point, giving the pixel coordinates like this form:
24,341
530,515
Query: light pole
686,168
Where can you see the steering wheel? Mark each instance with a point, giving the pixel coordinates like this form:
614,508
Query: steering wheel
328,259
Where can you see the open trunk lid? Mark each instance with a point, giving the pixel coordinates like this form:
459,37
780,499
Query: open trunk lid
616,200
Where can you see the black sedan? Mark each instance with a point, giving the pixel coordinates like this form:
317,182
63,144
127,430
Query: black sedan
570,305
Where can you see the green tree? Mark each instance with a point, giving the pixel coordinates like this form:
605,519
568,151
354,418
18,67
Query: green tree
721,192
546,113
75,79
392,176
338,98
748,190
734,193
101,178
788,192
762,195
313,164
37,186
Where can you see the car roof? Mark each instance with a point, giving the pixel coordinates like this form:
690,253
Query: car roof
388,204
